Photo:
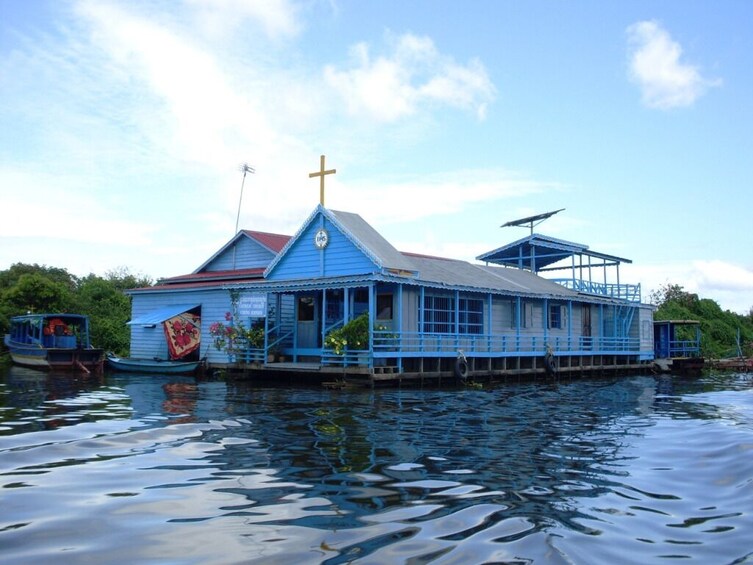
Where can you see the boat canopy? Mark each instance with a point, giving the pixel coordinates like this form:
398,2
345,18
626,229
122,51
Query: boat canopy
161,314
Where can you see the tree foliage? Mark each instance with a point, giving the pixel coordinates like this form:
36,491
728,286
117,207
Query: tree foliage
719,328
32,288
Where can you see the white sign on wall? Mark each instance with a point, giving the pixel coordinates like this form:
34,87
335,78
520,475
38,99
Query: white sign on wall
253,305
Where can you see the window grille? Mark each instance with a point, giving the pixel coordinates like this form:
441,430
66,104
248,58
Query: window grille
439,314
555,316
471,316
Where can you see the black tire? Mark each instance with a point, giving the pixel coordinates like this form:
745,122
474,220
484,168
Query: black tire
461,369
549,365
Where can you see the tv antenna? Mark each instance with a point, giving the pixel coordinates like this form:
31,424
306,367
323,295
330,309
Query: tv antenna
531,221
244,168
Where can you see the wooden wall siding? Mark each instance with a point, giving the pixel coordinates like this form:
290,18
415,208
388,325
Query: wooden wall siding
411,297
248,254
340,258
645,319
503,315
147,343
503,320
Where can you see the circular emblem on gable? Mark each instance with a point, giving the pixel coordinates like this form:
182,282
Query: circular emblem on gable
321,239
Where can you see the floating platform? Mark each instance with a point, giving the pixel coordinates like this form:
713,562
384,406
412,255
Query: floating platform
436,370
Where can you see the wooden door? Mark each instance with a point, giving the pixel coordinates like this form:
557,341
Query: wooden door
586,330
308,322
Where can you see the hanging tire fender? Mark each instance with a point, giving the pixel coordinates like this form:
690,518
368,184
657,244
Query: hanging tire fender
461,368
549,365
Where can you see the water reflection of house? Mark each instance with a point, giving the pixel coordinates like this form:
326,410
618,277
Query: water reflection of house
429,316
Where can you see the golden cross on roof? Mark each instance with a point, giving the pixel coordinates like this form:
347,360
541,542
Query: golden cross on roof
321,174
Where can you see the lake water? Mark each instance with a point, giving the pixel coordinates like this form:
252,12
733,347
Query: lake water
159,469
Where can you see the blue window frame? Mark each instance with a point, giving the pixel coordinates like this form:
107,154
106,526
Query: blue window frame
471,316
555,316
439,313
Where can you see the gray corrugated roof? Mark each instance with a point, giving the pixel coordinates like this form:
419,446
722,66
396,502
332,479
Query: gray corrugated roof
452,273
372,241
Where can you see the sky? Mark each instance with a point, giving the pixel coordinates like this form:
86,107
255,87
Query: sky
123,126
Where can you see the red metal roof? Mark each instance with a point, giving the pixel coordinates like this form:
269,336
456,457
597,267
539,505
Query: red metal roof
273,241
252,273
195,283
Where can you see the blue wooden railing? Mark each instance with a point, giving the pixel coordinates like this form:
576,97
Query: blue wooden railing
627,292
414,344
684,348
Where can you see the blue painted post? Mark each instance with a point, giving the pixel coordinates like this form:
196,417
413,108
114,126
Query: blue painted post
324,315
421,316
295,328
372,319
398,331
533,258
518,306
490,325
346,305
266,331
457,319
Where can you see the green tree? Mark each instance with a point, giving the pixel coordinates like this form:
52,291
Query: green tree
33,288
108,310
719,328
35,293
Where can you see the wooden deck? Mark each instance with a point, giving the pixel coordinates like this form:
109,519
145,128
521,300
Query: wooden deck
433,370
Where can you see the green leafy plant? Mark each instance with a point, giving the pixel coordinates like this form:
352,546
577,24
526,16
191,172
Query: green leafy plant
353,336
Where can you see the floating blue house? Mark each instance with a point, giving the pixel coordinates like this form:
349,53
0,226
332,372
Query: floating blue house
427,317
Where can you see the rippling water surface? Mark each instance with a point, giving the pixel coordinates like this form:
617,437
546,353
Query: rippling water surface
137,469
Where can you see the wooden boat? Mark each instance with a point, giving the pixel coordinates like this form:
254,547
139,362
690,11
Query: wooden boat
157,366
53,341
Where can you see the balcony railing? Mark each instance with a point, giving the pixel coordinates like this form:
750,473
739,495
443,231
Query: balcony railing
414,344
627,292
388,344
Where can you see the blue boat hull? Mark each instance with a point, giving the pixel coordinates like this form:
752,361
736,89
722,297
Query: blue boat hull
156,366
54,358
53,341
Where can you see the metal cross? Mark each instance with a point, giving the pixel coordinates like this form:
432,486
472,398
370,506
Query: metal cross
321,174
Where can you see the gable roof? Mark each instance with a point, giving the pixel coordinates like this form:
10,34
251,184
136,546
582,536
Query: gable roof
360,233
364,236
273,242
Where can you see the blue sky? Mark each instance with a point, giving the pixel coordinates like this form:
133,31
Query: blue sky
124,124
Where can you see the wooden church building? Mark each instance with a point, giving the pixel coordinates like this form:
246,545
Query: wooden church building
420,316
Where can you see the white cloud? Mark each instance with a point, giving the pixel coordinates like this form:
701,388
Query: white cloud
722,276
730,285
135,121
655,66
432,195
278,18
393,86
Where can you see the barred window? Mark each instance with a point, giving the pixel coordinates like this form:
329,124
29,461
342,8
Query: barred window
439,314
471,316
555,316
